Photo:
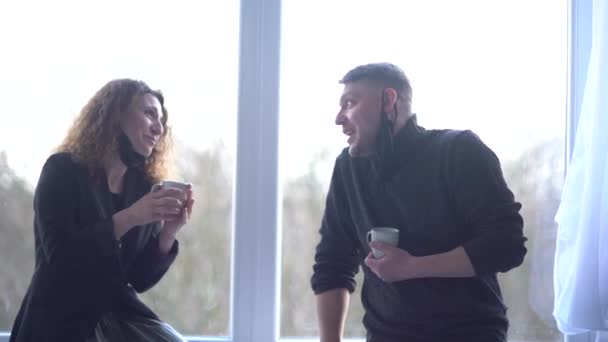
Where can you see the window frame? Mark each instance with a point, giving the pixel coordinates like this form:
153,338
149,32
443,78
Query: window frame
580,22
256,257
580,18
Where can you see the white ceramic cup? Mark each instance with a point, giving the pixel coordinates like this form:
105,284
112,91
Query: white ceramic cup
170,184
383,234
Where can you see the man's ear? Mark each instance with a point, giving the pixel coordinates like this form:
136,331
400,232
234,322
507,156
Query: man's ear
389,98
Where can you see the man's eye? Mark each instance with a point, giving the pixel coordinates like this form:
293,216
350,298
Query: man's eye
348,104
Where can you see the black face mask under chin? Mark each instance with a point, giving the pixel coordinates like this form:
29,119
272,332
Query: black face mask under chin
384,139
384,146
127,153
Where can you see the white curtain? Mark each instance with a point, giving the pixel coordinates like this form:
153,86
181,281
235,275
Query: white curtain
581,260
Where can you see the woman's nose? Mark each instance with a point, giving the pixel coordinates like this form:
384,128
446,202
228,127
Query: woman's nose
157,128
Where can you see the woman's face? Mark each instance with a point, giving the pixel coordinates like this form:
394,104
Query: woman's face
142,123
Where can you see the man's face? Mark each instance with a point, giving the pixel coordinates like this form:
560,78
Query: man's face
359,116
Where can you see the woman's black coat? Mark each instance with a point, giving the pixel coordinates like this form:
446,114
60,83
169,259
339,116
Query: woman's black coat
82,271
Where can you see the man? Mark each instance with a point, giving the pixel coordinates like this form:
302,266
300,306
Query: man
444,191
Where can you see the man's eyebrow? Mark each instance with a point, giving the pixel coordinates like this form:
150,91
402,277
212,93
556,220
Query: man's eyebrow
344,96
150,107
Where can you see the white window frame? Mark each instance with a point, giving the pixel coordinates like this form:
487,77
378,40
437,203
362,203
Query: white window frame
580,19
256,258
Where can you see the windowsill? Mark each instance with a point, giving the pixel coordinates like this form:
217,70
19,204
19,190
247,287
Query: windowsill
5,336
578,338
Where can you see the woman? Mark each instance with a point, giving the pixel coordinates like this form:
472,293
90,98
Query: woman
100,233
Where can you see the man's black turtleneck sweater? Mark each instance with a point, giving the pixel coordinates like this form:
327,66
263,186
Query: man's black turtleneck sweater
441,189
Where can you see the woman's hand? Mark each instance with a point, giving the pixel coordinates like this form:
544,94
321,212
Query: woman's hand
174,223
164,204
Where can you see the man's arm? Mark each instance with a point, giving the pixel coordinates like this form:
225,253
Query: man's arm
486,206
455,263
332,307
336,262
397,264
488,210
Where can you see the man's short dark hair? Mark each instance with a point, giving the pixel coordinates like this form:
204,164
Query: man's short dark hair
387,74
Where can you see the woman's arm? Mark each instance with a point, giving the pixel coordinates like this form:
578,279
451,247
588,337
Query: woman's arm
64,243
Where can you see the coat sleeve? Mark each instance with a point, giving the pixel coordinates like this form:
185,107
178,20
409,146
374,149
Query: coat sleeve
150,264
337,256
65,245
486,206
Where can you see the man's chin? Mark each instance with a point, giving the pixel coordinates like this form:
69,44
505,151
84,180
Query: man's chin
354,151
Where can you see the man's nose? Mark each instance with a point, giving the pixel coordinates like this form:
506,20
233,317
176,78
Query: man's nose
339,118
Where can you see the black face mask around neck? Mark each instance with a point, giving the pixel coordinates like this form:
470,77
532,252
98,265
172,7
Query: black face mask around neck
384,138
384,142
127,153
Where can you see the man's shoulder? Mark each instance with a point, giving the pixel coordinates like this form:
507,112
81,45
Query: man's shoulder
454,138
463,146
450,135
342,163
342,158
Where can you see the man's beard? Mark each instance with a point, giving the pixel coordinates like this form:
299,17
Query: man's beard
380,146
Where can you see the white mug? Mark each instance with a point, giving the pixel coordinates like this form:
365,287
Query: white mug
383,234
169,184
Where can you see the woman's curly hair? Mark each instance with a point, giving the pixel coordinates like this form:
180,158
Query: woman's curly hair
93,137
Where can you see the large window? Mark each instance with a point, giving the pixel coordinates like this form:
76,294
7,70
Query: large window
55,55
498,68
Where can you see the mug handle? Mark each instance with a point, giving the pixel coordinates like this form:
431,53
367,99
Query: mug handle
156,187
369,237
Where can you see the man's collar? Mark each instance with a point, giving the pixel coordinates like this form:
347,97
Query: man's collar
410,131
405,144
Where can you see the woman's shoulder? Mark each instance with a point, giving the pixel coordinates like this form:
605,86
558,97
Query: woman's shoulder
62,160
63,163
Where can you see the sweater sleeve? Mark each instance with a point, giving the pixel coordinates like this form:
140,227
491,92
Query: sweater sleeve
486,205
63,243
336,259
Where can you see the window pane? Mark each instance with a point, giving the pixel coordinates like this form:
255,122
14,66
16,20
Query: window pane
497,68
54,58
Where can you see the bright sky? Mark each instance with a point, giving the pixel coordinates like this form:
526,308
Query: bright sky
495,66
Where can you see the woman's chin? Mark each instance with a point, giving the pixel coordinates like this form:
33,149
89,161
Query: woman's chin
146,152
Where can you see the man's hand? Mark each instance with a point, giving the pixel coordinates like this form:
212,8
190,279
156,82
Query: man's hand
396,264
